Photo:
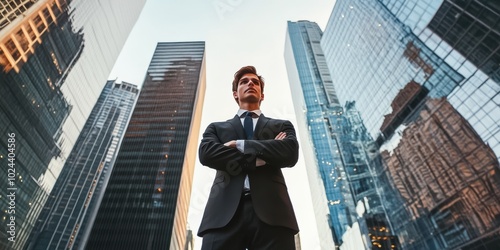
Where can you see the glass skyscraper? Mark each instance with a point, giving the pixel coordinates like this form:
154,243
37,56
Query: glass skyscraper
424,77
146,201
55,57
74,200
337,165
315,101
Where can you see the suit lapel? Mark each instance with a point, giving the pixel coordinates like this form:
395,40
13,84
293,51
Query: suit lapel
261,123
238,128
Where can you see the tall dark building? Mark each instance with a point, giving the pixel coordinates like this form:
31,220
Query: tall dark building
146,201
424,78
74,200
52,71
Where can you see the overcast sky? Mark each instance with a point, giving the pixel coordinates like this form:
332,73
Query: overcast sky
237,33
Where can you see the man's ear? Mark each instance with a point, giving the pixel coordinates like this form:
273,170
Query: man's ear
235,95
262,97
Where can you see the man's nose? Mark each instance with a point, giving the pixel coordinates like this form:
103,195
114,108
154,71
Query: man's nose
251,82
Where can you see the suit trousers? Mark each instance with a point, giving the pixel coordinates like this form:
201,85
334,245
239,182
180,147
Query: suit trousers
247,231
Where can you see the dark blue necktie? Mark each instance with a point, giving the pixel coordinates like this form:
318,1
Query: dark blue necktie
248,124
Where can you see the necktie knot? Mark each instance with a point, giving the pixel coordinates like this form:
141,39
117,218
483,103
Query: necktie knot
248,114
248,124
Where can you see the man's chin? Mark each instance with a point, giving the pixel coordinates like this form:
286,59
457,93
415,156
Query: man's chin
250,99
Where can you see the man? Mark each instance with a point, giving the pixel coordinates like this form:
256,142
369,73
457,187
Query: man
249,206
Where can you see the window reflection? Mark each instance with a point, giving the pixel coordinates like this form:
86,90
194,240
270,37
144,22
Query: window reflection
439,141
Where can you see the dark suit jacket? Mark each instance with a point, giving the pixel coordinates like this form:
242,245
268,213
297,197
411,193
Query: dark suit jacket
268,189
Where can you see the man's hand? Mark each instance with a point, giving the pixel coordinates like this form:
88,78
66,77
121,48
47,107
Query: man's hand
280,136
231,144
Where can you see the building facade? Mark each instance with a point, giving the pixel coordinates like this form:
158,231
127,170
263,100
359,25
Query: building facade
74,200
146,201
338,164
424,78
308,77
55,56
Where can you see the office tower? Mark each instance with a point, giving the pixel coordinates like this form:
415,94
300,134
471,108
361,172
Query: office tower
338,167
55,57
372,220
74,200
424,78
146,201
314,96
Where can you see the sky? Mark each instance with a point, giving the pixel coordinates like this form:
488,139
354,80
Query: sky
236,33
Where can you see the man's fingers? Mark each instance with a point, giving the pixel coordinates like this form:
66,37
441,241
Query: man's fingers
231,144
280,136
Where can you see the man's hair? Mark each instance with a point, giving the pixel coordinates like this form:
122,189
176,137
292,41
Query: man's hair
247,70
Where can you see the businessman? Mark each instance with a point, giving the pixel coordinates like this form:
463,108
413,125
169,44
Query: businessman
249,206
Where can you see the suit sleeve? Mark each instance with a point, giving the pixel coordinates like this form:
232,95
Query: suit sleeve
214,154
280,153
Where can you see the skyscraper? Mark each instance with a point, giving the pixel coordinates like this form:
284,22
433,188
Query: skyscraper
74,200
315,98
337,164
55,56
424,78
146,201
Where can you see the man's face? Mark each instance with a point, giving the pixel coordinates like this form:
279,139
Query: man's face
249,89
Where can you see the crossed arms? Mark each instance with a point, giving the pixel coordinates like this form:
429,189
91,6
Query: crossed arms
280,151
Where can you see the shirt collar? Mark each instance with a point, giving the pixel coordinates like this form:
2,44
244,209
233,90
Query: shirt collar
241,111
